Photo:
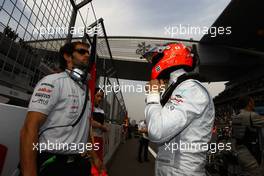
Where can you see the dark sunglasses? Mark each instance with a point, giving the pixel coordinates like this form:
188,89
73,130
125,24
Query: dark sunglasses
81,51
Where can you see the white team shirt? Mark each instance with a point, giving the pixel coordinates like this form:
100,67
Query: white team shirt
62,100
97,131
142,125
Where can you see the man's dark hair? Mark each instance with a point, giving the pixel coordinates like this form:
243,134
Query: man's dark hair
98,89
68,49
243,102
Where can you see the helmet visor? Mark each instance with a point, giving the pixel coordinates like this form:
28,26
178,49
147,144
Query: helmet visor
153,52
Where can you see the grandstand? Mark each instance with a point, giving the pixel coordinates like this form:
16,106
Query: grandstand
27,54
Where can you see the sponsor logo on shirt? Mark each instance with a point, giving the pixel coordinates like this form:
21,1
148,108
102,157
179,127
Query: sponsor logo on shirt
47,84
42,95
41,101
44,90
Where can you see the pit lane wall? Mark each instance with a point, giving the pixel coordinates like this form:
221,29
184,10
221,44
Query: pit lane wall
112,140
11,121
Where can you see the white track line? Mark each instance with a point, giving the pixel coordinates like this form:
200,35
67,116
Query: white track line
152,152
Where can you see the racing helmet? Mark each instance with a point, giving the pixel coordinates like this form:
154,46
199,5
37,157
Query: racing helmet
168,58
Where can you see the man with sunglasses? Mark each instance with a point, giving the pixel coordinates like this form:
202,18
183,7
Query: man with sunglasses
180,120
55,132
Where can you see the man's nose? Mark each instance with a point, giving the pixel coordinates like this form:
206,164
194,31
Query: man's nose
86,56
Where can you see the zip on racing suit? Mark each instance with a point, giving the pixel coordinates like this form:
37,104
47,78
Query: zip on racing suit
184,122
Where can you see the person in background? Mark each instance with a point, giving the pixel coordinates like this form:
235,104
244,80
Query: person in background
143,141
245,132
98,122
124,132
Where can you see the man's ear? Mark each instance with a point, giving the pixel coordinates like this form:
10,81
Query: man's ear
67,57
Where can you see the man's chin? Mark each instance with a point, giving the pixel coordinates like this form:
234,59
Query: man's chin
82,66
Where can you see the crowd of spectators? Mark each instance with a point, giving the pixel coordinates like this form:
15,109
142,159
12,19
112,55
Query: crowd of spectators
238,89
223,162
11,34
226,103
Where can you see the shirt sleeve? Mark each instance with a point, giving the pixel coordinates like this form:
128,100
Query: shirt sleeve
186,103
139,126
257,120
45,95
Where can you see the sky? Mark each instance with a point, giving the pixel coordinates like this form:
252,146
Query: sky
151,18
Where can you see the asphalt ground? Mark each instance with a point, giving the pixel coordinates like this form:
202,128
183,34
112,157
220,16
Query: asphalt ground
124,161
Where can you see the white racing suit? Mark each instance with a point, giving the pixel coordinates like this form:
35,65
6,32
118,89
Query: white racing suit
186,120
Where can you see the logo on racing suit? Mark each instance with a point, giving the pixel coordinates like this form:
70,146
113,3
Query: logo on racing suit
176,99
171,107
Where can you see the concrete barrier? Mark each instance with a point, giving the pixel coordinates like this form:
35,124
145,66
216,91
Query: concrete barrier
112,140
11,121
